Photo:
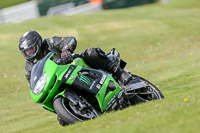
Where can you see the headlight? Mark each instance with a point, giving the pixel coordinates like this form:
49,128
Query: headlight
40,85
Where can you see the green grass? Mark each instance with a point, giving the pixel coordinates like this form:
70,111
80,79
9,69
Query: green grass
159,42
8,3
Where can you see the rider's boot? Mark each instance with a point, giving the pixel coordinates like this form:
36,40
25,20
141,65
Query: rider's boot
123,76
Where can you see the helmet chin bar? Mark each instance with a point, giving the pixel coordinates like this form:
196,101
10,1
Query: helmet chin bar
33,56
30,51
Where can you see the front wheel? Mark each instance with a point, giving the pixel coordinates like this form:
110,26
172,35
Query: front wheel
146,91
71,113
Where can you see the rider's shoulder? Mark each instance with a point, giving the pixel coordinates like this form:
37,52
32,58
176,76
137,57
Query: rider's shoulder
51,40
57,39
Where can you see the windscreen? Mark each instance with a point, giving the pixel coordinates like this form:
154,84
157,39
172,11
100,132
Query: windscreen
38,70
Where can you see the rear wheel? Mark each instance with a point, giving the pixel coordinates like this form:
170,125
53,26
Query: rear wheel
70,112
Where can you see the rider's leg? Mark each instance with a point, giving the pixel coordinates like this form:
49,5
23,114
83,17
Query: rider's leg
117,71
95,57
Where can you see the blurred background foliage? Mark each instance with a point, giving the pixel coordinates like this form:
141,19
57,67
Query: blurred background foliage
8,3
44,5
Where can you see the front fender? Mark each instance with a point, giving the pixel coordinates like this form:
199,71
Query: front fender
69,95
61,94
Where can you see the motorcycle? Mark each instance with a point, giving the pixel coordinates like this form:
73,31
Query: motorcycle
77,92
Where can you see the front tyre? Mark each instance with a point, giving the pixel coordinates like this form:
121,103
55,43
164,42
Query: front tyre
71,113
146,93
151,92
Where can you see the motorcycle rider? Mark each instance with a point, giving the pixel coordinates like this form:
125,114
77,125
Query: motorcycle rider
34,48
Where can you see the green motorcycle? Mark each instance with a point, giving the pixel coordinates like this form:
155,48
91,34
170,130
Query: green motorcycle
77,92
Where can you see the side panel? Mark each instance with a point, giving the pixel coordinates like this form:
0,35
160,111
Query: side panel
83,78
95,82
107,98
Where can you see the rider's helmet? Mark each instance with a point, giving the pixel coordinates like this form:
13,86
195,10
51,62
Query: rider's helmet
30,44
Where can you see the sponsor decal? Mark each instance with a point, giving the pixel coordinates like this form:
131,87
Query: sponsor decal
101,81
92,85
111,102
71,78
120,94
108,106
114,105
98,86
85,79
68,73
115,101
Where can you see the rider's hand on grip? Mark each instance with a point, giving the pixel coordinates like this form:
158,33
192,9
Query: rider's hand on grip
66,57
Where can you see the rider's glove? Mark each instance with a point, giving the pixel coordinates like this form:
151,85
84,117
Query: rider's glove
66,57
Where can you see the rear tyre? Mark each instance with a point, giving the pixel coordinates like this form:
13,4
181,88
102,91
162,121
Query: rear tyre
70,113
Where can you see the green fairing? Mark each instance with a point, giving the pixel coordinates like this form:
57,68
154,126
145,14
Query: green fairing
54,75
101,94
